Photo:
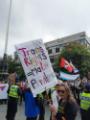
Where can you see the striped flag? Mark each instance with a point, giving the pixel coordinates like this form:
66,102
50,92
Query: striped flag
68,71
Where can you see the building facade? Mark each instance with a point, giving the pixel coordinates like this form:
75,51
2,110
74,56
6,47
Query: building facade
54,47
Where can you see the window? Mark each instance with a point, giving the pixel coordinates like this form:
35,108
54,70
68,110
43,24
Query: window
82,41
57,50
50,51
52,60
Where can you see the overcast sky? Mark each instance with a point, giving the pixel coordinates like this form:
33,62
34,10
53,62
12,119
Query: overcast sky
46,19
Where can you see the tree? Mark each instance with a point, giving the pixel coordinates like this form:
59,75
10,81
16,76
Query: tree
14,66
79,55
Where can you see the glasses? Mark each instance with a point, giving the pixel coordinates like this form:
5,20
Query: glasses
61,91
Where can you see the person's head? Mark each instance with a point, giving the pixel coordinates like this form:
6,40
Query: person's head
63,91
12,78
87,87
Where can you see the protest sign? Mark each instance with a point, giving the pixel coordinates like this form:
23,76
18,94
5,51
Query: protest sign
36,64
3,91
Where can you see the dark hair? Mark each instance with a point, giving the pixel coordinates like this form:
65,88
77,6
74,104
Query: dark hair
87,87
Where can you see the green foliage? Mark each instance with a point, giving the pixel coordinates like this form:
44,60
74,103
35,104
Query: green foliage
79,55
14,66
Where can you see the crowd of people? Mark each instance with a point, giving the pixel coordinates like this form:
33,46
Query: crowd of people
61,100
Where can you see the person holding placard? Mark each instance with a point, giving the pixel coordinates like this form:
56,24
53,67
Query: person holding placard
31,108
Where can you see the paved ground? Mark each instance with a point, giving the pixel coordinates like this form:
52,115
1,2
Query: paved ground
20,114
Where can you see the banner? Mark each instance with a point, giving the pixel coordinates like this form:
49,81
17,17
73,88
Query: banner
37,66
3,91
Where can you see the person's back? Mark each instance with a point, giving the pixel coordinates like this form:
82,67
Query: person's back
31,108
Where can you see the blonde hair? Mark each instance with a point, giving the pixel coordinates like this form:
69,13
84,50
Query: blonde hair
70,96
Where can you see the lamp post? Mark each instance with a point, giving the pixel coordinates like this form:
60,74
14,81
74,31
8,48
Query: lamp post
5,64
7,29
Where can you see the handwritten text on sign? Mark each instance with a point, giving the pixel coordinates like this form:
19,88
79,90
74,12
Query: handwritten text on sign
36,64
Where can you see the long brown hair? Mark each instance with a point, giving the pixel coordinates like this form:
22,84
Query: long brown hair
70,96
